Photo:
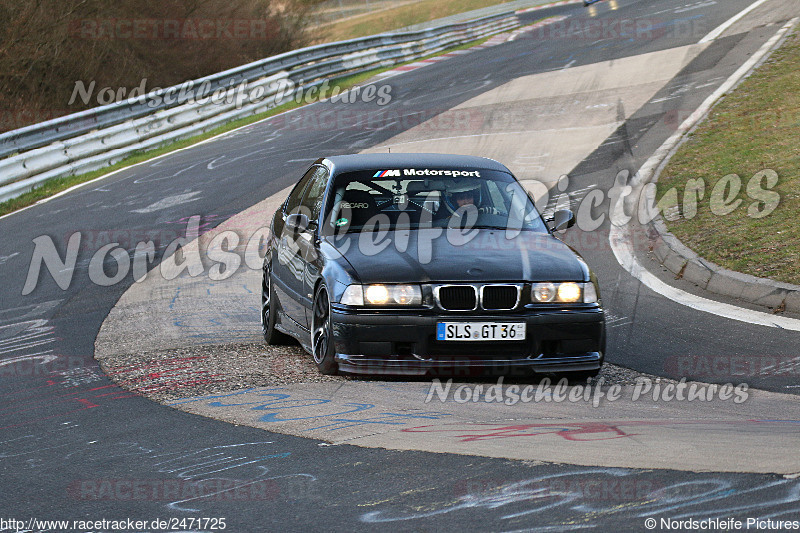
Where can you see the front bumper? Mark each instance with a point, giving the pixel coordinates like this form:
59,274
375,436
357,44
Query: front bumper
404,343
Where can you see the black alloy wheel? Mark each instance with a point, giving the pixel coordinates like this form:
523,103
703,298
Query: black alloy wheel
268,313
322,347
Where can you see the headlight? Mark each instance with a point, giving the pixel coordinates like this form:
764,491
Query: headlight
565,292
569,292
382,295
407,294
376,295
544,292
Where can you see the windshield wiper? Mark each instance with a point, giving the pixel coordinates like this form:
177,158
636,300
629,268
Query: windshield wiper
487,226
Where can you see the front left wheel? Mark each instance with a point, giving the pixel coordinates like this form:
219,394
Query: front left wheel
322,347
269,313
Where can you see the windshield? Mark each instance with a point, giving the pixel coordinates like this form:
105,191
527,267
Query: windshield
390,200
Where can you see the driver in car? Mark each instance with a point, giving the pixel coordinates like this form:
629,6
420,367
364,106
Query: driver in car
467,192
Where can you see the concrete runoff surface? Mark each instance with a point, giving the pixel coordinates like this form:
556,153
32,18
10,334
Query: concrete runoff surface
716,435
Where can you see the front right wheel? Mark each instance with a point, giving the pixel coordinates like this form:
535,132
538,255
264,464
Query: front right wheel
322,347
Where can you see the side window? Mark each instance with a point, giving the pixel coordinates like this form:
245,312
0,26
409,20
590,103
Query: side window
312,199
296,195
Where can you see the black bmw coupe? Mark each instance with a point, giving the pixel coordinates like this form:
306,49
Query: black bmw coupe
408,263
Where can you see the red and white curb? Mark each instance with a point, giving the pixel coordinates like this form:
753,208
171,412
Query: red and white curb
512,36
545,6
424,62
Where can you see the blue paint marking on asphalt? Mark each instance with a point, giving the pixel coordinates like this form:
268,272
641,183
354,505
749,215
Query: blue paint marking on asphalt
276,397
281,402
283,455
177,293
227,395
273,417
392,419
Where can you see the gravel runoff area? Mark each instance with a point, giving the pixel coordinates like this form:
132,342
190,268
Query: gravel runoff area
220,368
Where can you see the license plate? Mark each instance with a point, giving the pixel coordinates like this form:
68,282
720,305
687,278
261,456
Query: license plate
480,331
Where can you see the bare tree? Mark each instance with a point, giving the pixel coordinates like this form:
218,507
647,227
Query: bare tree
46,47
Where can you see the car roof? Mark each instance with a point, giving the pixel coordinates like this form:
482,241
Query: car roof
355,162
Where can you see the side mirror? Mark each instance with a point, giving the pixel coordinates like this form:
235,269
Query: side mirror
297,222
562,219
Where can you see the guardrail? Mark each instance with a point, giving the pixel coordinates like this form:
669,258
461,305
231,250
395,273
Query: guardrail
92,139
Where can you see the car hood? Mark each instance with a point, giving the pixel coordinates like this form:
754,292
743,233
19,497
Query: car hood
422,256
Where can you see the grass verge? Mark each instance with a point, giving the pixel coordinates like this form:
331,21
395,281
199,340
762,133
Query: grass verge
752,130
57,185
398,17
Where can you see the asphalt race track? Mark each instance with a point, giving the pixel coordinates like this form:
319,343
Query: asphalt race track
76,446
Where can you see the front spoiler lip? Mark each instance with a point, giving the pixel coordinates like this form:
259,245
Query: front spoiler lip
357,364
420,364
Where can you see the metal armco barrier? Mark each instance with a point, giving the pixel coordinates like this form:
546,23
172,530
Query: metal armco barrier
102,136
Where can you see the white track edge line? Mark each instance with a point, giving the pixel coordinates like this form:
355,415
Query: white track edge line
716,32
619,238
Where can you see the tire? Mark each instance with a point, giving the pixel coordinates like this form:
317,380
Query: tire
322,347
269,312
